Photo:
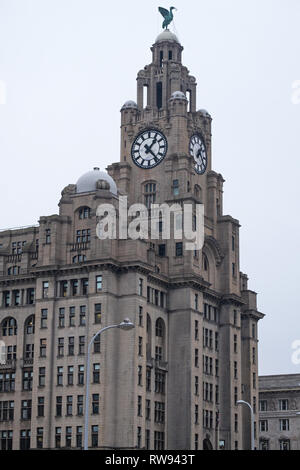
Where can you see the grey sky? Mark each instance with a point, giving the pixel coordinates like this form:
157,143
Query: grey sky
69,65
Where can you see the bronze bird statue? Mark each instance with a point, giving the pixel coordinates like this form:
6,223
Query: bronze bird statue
168,16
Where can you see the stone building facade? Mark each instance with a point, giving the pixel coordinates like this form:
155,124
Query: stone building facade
173,381
279,415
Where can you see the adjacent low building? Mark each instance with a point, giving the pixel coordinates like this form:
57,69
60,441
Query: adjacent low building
279,415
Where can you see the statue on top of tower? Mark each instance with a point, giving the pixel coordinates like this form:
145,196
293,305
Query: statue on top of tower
168,16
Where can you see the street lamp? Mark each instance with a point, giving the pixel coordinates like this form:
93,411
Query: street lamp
242,402
124,325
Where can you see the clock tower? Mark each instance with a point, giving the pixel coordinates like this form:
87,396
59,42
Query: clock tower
211,316
163,138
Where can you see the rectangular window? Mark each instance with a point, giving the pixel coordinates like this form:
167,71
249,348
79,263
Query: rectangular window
162,250
175,187
72,316
82,316
40,406
81,347
97,313
263,405
97,345
42,376
59,375
139,437
26,381
159,412
44,316
57,438
196,358
68,436
39,438
140,286
80,376
69,410
140,346
70,376
48,236
196,301
235,343
98,283
140,375
43,347
45,289
196,330
236,423
196,385
95,403
179,249
283,405
80,405
147,438
79,437
71,346
74,287
96,373
25,435
61,318
284,425
263,425
60,347
58,406
140,316
95,432
26,409
84,286
284,444
139,406
148,379
235,370
196,414
159,440
160,380
148,410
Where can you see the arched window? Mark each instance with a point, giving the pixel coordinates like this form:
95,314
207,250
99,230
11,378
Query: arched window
159,328
205,264
30,325
84,213
9,327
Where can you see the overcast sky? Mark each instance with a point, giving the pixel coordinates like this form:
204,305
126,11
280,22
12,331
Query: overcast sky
67,67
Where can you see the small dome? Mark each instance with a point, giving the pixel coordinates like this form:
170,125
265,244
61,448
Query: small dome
204,112
129,105
178,95
88,182
166,35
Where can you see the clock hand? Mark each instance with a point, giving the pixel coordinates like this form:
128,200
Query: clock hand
148,150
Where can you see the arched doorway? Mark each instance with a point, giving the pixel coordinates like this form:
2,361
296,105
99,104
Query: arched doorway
207,445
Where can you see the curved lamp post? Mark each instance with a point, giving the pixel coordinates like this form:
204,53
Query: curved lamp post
124,325
242,402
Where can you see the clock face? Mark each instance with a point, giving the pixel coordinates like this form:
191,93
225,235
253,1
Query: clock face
198,152
149,149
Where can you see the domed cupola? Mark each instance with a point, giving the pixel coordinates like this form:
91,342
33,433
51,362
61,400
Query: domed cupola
129,105
96,179
166,35
178,95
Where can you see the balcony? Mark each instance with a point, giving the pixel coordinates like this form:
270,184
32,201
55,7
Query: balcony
8,365
26,362
83,246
